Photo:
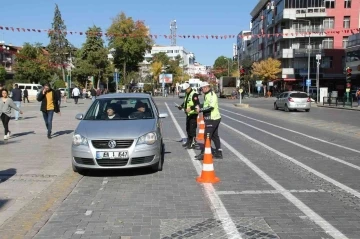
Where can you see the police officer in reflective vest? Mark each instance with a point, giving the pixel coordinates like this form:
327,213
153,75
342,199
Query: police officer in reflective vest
212,118
190,103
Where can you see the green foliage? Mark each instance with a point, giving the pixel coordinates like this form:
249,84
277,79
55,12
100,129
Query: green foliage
2,74
221,66
91,59
59,45
148,88
129,51
161,57
33,65
247,63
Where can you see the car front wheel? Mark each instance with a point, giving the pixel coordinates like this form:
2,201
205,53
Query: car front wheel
159,165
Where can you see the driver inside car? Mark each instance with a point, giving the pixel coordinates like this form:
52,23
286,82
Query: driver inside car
141,112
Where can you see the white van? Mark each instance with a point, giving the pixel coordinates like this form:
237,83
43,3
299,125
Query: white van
31,88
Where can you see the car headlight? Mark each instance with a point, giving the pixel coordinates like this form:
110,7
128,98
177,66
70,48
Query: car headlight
79,140
149,138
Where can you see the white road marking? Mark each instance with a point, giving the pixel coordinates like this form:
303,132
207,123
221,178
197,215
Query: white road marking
317,173
217,205
247,192
88,213
295,132
297,144
313,216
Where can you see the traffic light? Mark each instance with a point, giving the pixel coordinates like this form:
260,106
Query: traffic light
348,74
242,72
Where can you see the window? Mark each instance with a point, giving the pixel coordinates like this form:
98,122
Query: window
328,23
328,43
347,4
327,62
169,51
330,3
347,22
345,42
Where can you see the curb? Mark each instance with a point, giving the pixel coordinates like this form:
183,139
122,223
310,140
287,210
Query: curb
339,108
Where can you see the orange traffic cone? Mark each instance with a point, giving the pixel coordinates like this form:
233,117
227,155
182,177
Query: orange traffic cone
208,172
201,133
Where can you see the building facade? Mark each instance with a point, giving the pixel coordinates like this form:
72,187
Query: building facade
291,30
187,58
243,44
353,60
197,69
8,57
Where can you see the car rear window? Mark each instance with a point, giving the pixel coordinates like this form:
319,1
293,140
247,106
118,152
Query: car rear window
298,95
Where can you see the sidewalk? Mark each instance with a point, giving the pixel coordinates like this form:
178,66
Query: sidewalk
35,172
354,108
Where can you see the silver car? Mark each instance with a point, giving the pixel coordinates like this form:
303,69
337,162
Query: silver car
119,131
293,100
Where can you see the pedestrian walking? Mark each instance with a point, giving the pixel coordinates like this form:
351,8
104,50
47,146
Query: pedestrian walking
5,111
16,96
358,97
49,105
191,101
212,118
76,94
93,94
26,95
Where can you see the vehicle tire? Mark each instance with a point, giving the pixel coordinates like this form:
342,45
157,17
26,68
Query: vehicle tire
275,106
159,165
307,110
286,108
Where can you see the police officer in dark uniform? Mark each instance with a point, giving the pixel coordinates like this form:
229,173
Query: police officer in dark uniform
190,103
212,118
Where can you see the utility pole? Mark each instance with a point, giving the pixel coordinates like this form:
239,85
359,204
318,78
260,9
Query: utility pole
318,58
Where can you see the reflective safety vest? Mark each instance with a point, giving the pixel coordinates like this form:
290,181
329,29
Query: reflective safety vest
189,103
211,100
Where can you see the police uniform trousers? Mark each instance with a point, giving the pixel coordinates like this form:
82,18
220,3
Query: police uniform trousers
191,125
212,128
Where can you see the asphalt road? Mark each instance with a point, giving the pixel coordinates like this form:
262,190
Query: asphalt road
283,176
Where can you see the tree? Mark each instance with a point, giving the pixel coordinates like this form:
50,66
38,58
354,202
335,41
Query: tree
201,77
222,65
156,68
91,59
59,45
267,70
161,57
32,65
246,64
131,40
2,74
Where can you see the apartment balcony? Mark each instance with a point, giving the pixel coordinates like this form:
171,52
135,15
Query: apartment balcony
288,73
311,12
305,52
290,13
285,53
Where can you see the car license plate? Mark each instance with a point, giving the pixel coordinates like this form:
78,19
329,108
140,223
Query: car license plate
300,105
112,155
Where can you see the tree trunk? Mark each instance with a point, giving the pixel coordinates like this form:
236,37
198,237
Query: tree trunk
124,73
249,88
98,83
63,73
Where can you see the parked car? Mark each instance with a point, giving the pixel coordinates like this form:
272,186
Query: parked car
182,93
293,100
128,140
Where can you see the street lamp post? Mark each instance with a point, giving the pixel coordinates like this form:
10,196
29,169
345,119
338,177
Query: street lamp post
163,81
318,58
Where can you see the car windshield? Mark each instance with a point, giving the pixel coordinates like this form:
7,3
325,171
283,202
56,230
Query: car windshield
299,95
120,109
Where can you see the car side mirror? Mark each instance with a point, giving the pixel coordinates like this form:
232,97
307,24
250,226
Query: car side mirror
79,116
163,115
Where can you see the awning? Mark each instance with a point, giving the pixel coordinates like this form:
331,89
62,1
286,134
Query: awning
289,79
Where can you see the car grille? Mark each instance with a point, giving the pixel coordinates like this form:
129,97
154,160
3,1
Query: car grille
141,160
86,161
120,144
112,162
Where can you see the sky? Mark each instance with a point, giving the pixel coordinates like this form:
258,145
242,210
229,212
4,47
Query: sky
193,18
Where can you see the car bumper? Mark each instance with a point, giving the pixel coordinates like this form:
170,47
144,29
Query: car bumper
143,156
299,106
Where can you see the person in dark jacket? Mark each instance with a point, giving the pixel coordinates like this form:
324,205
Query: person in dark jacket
58,97
26,95
49,105
17,98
